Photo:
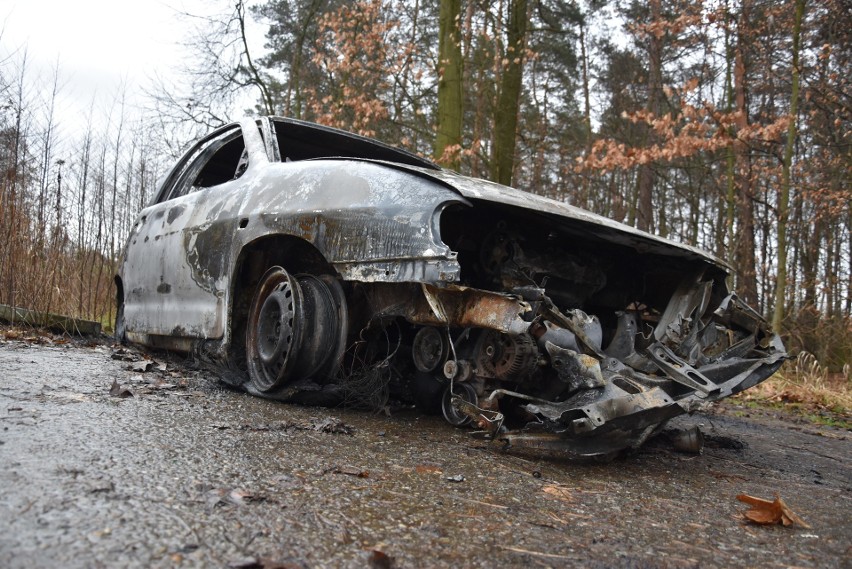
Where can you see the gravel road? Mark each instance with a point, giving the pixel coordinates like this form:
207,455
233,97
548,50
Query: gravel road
172,469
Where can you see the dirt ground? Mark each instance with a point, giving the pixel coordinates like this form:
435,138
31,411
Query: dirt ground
174,469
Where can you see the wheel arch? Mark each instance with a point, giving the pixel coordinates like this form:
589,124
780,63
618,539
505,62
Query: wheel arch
293,253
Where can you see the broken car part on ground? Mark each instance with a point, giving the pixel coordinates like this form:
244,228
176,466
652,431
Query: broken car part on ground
320,267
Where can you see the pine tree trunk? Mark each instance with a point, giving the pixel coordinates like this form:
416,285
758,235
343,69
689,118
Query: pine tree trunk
647,176
784,198
587,113
449,82
506,116
744,255
730,155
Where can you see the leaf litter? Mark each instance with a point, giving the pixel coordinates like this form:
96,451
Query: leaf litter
766,512
328,425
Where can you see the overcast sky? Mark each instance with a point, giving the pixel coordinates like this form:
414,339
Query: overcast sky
96,43
100,45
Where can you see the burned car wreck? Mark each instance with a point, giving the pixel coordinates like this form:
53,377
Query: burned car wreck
321,267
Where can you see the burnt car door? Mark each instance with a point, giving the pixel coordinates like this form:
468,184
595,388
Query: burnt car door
177,259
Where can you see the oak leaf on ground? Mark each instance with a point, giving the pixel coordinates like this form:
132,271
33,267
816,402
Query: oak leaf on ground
767,512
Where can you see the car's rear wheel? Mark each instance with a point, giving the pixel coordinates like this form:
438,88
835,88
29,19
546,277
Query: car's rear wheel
296,329
120,329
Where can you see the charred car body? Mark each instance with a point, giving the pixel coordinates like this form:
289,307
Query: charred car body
321,267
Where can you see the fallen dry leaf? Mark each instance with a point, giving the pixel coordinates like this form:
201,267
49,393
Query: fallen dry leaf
262,563
122,354
380,560
143,365
331,425
12,334
240,497
117,390
352,471
765,512
559,492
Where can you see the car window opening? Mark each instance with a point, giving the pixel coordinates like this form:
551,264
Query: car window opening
226,164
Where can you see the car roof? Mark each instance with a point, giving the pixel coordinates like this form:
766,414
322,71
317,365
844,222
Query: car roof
300,140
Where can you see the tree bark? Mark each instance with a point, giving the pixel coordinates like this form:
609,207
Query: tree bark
508,104
744,254
450,69
784,197
647,176
587,113
730,154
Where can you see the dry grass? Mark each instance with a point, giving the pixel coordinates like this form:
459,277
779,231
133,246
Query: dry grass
803,385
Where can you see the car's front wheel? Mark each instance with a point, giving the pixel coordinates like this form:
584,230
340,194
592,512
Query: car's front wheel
296,329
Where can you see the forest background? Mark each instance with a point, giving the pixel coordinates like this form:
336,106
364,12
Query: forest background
725,124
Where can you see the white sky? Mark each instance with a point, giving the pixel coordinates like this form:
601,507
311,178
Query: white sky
101,46
96,43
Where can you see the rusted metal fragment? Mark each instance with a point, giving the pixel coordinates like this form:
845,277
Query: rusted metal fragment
453,306
575,324
734,312
485,419
577,371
